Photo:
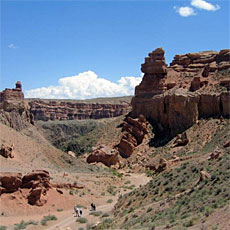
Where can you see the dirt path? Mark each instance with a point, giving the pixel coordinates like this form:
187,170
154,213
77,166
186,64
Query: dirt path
70,222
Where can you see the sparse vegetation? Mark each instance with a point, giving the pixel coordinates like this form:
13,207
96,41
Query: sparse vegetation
23,224
82,220
190,199
3,228
96,213
109,201
45,219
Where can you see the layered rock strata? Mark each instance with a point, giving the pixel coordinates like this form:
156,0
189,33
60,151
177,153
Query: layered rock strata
14,111
207,61
172,111
134,131
62,110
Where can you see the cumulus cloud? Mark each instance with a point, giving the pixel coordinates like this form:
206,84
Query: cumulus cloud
203,5
12,46
84,86
185,11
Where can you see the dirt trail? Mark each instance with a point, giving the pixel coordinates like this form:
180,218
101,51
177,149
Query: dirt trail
70,222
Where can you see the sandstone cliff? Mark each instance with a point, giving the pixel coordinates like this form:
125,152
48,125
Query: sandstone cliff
195,86
64,110
14,111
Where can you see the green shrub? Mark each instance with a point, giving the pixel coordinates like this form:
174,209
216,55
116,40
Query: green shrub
47,218
149,209
109,201
96,213
2,227
82,220
105,215
59,210
23,224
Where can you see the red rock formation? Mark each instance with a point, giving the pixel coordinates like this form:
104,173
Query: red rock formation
206,62
14,111
173,110
10,182
60,110
155,70
104,155
38,181
135,131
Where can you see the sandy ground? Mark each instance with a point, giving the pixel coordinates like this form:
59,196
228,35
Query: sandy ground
95,191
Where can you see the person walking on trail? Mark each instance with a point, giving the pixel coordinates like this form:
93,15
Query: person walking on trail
93,207
76,211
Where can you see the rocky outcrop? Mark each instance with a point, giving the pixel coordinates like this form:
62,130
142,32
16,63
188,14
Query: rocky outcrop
155,70
105,155
14,111
215,154
63,110
10,182
7,151
134,133
207,61
38,183
172,111
181,140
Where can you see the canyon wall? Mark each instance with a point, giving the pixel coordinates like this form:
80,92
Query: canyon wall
194,86
63,110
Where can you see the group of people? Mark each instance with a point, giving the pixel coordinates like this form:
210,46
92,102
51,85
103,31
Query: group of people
79,211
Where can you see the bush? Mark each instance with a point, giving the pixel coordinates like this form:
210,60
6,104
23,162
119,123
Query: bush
2,227
105,215
96,213
47,218
82,220
149,209
109,201
59,210
23,224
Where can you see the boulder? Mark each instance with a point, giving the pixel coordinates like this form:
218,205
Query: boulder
181,140
204,175
37,196
10,182
7,151
227,144
35,179
105,155
195,84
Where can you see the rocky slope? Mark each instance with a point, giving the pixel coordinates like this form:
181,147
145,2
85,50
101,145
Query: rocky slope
187,151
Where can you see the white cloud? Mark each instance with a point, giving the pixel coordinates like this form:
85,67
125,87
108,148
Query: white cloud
185,11
201,4
12,46
86,85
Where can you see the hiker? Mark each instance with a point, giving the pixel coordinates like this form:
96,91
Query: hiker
76,210
93,207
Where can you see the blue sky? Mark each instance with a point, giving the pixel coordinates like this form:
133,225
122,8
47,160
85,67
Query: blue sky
45,43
